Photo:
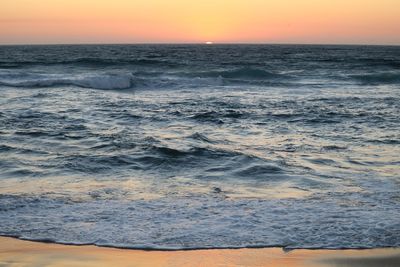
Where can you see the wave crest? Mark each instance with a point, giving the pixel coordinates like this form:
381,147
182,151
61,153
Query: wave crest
240,73
105,81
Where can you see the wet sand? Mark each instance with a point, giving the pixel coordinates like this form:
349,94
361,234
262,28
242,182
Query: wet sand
14,252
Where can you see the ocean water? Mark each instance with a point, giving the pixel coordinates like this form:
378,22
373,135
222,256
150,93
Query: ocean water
201,146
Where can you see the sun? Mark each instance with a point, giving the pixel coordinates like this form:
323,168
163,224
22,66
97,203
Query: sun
209,43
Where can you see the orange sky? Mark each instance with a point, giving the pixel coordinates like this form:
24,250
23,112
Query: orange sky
166,21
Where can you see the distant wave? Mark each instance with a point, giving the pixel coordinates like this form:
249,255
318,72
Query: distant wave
244,73
106,81
378,78
95,62
155,78
142,79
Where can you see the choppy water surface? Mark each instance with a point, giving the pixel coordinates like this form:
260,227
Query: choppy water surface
179,147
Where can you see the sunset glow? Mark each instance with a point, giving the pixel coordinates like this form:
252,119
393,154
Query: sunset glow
155,21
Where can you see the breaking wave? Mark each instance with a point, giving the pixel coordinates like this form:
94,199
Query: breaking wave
106,81
140,79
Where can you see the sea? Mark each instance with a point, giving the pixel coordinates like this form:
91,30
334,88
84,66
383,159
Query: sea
179,147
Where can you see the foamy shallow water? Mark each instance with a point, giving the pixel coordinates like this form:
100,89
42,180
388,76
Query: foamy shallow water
170,147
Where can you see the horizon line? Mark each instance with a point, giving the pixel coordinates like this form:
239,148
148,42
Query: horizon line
196,43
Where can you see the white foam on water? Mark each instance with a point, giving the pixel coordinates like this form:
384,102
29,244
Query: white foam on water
340,221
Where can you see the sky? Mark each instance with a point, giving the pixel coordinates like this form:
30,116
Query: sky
187,21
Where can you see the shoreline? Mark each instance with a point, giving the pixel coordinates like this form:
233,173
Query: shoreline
17,252
166,249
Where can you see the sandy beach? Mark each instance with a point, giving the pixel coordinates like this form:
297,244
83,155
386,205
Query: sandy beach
14,252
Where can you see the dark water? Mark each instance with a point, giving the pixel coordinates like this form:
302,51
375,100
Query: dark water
166,146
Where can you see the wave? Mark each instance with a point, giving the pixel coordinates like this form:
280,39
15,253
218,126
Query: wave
121,81
209,222
201,137
156,79
92,62
105,81
238,73
218,117
110,157
177,248
261,171
378,78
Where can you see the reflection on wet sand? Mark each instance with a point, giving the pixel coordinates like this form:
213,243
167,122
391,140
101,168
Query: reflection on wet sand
14,252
